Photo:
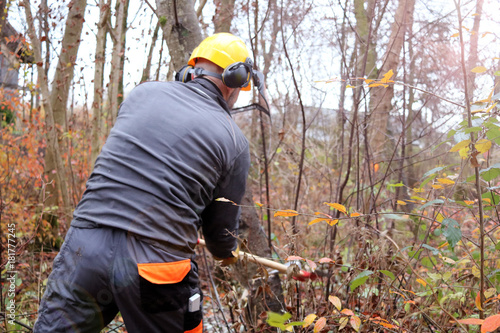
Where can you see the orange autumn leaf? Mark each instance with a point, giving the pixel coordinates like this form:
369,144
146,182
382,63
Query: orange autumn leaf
387,76
355,323
286,212
355,214
320,324
333,222
337,206
478,301
290,258
490,324
309,320
319,219
422,282
446,181
470,321
347,312
326,260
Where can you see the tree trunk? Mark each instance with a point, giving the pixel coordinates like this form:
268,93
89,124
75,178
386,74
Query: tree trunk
472,61
100,57
57,99
224,12
58,177
147,69
180,27
382,96
115,87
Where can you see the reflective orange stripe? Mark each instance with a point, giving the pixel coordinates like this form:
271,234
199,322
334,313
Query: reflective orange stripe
197,329
165,272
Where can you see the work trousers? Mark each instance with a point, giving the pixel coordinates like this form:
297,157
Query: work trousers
101,271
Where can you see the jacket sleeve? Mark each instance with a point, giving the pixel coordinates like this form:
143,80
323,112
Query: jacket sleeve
221,219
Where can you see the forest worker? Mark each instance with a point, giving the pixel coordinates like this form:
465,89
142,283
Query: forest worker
173,150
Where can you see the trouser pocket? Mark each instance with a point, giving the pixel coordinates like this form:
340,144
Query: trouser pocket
164,286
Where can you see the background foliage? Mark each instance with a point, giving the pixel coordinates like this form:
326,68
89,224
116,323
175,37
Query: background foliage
378,169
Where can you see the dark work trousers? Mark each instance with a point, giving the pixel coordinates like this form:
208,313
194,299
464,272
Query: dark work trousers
97,273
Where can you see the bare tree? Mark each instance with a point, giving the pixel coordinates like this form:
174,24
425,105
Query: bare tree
181,29
382,96
473,53
100,56
55,100
115,87
224,12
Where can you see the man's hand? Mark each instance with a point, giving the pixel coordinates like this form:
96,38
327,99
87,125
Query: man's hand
231,260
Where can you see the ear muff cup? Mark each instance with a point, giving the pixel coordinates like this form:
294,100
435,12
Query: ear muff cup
237,75
184,74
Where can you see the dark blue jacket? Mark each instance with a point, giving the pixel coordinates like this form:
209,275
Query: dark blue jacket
173,150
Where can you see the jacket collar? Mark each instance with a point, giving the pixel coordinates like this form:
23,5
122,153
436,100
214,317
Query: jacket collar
211,90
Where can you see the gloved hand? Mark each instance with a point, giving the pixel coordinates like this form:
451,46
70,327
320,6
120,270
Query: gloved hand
231,260
258,79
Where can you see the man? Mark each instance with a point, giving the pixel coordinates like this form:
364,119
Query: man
173,151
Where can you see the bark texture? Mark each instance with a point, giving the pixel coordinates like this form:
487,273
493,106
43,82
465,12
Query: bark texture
100,57
381,97
180,27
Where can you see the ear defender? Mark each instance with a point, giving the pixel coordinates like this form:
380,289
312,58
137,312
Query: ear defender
184,74
237,75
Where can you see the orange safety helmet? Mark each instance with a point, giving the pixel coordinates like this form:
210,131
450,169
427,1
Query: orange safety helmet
223,49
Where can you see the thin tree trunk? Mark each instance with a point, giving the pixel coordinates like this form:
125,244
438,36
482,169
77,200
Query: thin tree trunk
473,54
100,57
58,177
224,12
115,87
147,69
382,96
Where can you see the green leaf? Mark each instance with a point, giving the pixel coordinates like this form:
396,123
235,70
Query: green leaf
497,247
473,130
433,202
494,198
494,134
429,262
395,185
428,180
490,173
471,179
428,247
433,171
360,279
451,230
278,320
435,277
497,73
389,274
